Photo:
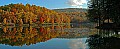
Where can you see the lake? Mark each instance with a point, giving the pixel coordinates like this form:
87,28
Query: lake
73,36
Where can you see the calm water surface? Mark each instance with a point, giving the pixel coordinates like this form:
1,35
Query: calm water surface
75,36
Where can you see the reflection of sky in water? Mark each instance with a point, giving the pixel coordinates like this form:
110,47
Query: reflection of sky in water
56,43
78,43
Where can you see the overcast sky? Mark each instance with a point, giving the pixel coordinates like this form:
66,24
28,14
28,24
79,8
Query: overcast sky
50,4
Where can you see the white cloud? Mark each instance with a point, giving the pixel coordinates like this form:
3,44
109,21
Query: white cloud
76,3
77,44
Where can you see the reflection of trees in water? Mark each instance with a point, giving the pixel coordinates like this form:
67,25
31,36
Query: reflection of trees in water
108,33
19,36
105,39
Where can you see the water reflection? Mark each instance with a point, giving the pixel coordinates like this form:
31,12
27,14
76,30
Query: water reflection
19,36
105,39
78,44
58,37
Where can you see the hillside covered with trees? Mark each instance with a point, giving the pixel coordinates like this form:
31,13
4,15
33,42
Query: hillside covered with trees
30,14
76,14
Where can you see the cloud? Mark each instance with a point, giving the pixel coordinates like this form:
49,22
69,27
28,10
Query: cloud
76,3
77,44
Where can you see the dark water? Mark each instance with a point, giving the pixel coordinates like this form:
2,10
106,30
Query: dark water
74,36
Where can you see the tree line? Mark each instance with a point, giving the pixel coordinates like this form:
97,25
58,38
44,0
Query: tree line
76,15
30,14
102,10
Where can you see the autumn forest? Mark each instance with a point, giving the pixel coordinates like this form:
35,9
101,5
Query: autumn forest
60,24
30,14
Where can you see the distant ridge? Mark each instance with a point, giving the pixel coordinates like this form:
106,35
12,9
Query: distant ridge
71,10
76,15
